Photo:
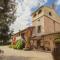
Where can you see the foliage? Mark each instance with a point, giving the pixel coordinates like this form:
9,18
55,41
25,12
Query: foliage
7,11
7,16
57,40
4,33
19,44
12,46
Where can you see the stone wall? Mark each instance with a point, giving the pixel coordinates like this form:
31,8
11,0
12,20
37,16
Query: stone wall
48,25
57,27
47,42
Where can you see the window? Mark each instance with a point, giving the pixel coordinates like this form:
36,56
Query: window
39,12
34,14
39,29
50,14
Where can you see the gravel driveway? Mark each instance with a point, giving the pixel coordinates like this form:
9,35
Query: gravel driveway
12,54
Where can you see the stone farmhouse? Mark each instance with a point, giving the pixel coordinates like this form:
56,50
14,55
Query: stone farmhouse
47,26
45,29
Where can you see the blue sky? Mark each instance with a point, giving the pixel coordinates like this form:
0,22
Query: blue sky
24,10
49,3
57,2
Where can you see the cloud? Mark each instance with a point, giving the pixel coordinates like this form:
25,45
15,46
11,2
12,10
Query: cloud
57,2
23,13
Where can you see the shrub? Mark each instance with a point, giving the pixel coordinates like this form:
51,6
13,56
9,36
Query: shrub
19,44
12,46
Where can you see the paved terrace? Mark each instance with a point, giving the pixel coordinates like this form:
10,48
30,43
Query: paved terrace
12,54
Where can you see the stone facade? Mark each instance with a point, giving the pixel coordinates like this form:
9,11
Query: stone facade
49,23
46,42
47,19
44,31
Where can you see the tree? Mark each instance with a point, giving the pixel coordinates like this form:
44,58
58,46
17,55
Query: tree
8,11
4,32
7,16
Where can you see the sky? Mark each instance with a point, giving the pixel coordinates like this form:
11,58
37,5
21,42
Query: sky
24,9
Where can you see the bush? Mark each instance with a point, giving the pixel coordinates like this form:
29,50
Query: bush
12,46
19,44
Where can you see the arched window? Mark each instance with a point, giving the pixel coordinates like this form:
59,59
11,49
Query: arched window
34,14
50,14
39,11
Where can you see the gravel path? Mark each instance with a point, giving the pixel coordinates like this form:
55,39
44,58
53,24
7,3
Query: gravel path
12,54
